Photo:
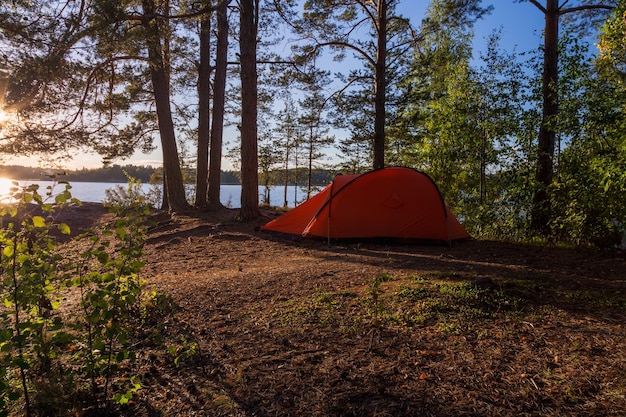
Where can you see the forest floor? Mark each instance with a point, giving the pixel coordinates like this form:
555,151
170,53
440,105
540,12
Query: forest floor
263,326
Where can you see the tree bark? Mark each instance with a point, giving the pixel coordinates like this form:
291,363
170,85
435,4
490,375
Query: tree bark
309,179
204,86
219,94
174,187
541,209
380,87
249,145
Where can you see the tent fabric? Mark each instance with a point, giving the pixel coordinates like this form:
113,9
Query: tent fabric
393,202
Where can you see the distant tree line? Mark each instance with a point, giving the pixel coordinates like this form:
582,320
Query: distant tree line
113,173
146,174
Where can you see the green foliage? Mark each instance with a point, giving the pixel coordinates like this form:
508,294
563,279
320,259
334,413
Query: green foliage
589,187
132,195
47,357
322,309
30,281
449,305
185,350
111,290
446,301
612,45
590,203
413,293
377,304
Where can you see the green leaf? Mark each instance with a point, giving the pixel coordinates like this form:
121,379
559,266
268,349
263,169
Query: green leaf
39,221
61,198
121,232
64,228
6,335
102,257
124,399
8,251
121,356
22,258
21,363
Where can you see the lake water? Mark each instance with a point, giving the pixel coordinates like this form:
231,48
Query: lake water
94,192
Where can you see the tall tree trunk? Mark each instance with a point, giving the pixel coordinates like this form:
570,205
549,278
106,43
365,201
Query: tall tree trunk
296,174
541,210
204,86
286,171
174,189
165,204
219,93
381,81
309,180
249,145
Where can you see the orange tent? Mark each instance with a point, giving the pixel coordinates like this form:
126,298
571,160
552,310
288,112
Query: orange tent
391,202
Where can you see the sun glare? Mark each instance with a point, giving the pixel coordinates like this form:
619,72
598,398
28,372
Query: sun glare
4,118
5,188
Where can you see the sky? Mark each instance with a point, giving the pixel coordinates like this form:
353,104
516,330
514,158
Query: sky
521,25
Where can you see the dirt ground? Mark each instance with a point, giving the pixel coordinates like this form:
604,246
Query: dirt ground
264,326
